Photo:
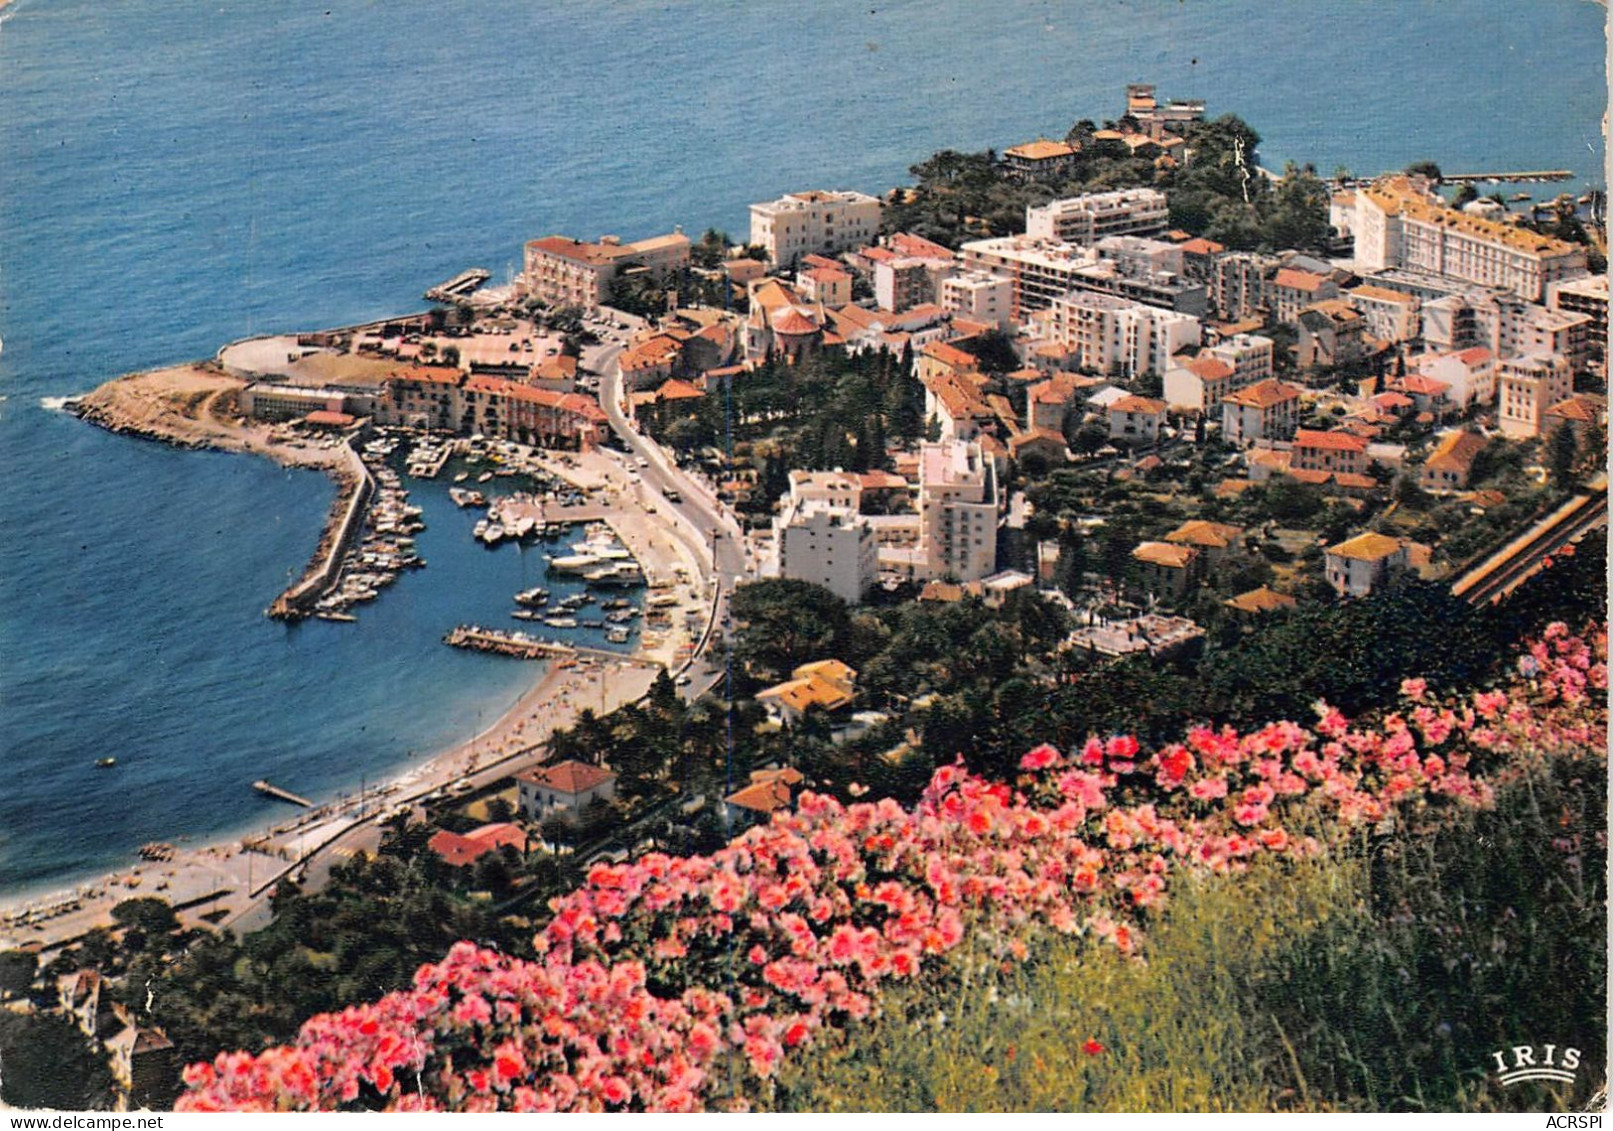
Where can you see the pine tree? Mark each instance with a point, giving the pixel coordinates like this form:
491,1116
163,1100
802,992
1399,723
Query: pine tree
1563,452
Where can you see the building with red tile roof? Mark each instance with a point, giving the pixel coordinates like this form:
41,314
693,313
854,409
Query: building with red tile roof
458,850
568,785
1266,410
565,272
1329,451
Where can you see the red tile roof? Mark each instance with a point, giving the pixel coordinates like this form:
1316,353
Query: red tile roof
951,355
1145,406
917,247
1296,280
793,322
568,777
1329,441
1263,394
676,390
427,374
458,850
1426,386
1208,368
567,248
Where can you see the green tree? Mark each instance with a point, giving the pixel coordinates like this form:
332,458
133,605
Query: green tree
45,1062
711,250
784,623
17,971
1563,452
148,914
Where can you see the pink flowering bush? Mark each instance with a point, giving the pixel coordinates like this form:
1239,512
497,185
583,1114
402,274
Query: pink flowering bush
671,983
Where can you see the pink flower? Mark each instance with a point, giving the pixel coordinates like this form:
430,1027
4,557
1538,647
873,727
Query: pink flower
1040,758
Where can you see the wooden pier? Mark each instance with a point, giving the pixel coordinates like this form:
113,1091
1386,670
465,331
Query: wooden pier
279,794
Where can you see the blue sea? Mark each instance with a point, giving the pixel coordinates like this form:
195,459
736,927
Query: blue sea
178,174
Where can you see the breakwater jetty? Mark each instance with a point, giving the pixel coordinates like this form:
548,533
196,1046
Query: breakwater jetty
357,488
1528,176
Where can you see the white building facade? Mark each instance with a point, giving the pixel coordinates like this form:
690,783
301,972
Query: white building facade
819,222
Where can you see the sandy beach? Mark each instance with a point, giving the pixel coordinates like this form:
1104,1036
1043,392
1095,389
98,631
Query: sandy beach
227,882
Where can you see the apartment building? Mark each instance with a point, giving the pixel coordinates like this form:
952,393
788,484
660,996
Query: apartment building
1137,420
1469,374
1292,290
1393,316
1331,333
1397,225
1587,296
1526,388
1329,451
1084,220
565,272
828,545
447,400
1266,410
1039,271
818,222
1113,336
1240,284
1199,384
979,297
902,283
958,505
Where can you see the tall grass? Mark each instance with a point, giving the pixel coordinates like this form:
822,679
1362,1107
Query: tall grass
1381,978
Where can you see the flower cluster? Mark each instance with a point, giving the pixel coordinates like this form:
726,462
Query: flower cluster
663,983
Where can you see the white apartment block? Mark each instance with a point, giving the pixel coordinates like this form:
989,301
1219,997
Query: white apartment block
827,545
1394,316
820,222
958,506
1085,220
1398,226
1114,337
1527,330
1249,355
1527,387
978,296
1587,296
1508,326
1039,271
1470,373
840,489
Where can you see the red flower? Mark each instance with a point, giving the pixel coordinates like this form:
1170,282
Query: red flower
1093,1047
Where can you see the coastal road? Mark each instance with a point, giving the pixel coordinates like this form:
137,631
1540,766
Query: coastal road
703,515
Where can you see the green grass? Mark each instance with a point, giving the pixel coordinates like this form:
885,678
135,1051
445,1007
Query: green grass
1379,979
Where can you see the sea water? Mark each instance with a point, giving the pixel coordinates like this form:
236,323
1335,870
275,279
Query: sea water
175,175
